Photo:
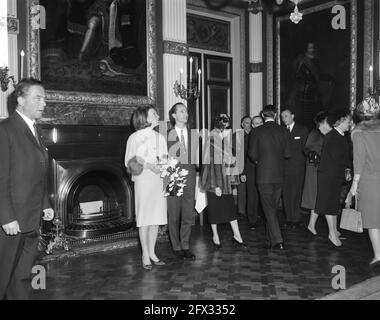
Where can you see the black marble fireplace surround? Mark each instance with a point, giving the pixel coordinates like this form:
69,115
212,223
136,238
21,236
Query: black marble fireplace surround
88,185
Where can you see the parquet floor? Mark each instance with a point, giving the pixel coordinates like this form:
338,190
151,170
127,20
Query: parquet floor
302,271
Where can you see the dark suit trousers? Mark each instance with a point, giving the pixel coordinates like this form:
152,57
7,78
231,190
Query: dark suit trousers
242,197
270,194
17,257
180,215
292,195
253,200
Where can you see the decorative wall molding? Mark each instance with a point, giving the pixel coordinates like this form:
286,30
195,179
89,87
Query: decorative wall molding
93,99
13,25
208,33
177,48
368,43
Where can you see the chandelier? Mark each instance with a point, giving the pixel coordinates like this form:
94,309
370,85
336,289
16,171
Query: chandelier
296,16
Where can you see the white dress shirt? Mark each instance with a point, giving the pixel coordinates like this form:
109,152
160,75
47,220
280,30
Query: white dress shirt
291,126
342,133
178,130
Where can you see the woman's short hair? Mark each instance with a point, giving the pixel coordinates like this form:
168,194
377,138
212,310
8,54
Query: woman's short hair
220,119
321,117
140,117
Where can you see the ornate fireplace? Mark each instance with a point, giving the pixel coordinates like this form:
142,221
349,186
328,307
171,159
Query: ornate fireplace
89,187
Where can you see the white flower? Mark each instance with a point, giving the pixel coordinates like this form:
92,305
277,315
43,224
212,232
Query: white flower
184,172
172,162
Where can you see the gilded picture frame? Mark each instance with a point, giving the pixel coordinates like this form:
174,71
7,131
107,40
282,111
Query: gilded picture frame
352,47
99,98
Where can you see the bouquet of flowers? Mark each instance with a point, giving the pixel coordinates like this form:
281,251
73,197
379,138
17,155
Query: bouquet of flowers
174,177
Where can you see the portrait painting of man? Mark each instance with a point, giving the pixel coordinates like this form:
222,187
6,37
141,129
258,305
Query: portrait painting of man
95,46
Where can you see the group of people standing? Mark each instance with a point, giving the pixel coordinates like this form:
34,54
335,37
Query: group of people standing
307,170
147,146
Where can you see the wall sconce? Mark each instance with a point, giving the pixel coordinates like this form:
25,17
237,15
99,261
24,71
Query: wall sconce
192,91
5,78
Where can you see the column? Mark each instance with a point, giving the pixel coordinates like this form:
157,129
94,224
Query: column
175,49
9,29
255,63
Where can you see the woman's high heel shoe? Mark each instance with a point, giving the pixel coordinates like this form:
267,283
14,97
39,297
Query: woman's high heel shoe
240,244
216,245
147,266
158,263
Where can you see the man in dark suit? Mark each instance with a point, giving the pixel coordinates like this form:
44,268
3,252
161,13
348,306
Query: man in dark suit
295,168
253,201
269,146
181,209
23,197
245,124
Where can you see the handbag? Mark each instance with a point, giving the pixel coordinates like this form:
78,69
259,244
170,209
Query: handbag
134,166
351,219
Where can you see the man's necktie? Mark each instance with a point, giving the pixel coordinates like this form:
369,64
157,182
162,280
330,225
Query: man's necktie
183,143
289,128
36,134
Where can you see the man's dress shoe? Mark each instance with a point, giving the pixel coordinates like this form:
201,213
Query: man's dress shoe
179,254
278,246
187,254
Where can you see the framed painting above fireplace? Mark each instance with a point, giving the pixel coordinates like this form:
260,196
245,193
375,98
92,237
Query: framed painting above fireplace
93,51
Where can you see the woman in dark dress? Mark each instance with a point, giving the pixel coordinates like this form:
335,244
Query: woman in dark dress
217,180
335,160
313,149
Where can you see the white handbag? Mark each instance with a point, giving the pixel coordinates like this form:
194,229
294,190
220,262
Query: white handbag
351,219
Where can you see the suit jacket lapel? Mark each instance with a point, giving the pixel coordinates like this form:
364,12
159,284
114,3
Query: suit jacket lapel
24,127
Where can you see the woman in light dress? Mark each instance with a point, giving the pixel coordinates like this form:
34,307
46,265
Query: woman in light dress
146,147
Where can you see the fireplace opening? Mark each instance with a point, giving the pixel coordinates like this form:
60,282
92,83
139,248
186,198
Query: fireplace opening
98,203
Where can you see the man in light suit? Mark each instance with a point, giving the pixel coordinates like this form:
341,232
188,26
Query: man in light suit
295,168
23,197
181,209
269,146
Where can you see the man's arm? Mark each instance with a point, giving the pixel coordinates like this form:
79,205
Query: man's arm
7,214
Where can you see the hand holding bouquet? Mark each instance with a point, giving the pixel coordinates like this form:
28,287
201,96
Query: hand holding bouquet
174,177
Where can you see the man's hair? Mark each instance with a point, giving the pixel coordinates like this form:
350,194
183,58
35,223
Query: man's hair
245,117
140,116
257,117
22,88
288,109
338,116
269,111
173,110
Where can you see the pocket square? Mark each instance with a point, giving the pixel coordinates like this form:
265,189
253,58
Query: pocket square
297,138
